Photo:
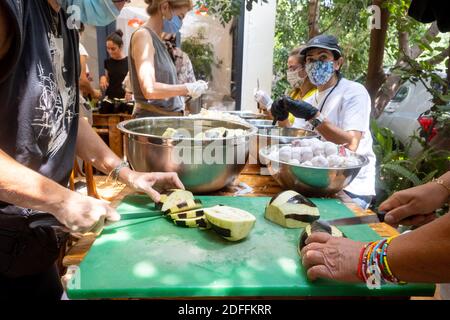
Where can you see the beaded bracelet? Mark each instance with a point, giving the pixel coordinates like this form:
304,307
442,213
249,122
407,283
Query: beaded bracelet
360,263
389,273
364,263
373,261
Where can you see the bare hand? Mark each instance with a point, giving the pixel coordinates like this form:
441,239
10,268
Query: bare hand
333,258
148,182
128,97
97,94
414,206
104,83
81,214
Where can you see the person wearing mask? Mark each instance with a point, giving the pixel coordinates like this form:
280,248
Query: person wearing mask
301,87
339,111
116,67
173,26
421,255
40,135
152,71
172,37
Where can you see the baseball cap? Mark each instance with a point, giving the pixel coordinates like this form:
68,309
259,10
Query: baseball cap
323,41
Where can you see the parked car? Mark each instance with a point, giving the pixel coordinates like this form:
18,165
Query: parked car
404,113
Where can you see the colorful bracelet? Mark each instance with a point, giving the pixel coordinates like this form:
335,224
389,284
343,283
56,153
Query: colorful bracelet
389,273
364,263
360,263
373,262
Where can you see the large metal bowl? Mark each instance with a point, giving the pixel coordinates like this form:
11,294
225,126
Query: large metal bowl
311,181
203,165
247,115
269,135
262,123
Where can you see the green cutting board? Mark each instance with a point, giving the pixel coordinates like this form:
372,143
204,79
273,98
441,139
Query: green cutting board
145,256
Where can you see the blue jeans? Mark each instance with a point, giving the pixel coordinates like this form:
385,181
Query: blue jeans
361,201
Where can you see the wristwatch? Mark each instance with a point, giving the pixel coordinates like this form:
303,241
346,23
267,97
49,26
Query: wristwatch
317,121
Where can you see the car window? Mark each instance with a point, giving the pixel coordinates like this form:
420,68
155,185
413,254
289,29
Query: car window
401,94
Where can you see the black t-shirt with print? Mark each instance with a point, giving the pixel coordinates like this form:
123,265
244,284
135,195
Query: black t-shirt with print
117,71
39,92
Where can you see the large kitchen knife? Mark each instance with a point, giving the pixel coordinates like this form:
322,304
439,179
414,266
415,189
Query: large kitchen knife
373,218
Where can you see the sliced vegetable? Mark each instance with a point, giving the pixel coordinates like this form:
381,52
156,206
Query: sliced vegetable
169,133
199,222
184,206
213,133
187,214
173,198
231,223
317,226
291,210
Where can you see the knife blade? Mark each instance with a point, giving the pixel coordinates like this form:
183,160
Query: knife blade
373,218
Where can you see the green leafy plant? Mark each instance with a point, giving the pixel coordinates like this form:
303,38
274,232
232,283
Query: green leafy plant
396,170
439,114
201,54
225,10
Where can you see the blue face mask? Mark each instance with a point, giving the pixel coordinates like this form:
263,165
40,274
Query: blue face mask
94,12
173,26
320,72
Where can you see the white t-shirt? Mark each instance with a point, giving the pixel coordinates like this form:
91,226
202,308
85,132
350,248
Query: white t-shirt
348,107
83,52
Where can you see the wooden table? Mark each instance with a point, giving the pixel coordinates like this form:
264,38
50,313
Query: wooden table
261,186
107,124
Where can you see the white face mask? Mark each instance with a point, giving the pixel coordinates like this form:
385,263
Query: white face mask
294,79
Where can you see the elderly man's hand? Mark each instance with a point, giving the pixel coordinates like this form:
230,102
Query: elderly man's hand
149,182
333,258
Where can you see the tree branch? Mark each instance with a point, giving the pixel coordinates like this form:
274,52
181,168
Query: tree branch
387,90
313,18
375,72
431,33
403,40
439,57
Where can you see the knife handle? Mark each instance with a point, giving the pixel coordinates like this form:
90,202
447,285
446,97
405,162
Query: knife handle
381,215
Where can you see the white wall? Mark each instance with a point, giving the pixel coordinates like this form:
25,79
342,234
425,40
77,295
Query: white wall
259,40
127,14
222,41
89,40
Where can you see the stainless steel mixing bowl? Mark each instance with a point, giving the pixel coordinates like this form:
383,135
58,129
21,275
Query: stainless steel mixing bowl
310,181
269,135
203,165
247,115
262,123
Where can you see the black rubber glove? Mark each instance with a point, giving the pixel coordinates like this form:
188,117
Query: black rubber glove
300,108
278,110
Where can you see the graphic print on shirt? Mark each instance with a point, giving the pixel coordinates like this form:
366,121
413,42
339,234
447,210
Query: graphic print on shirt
54,115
